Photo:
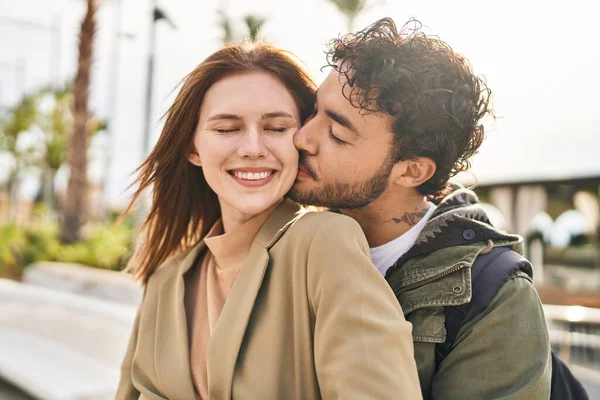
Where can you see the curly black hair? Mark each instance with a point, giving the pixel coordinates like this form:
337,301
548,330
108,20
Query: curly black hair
431,91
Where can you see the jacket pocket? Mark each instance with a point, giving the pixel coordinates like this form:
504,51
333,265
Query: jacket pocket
428,325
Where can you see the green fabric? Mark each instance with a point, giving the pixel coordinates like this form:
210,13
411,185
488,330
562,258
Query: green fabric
504,352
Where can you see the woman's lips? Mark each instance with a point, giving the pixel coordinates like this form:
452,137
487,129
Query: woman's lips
253,177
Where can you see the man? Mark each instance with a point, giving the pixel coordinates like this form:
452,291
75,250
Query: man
397,117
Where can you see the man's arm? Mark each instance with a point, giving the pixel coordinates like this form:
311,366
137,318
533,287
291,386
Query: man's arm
503,353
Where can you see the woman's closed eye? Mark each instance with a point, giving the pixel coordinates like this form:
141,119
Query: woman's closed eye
226,130
279,129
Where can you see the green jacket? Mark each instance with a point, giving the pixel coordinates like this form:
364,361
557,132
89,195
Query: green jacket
502,353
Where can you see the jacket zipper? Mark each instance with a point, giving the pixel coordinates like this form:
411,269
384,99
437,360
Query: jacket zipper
433,278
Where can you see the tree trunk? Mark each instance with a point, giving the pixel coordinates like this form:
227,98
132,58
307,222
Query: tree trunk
48,191
13,190
350,23
78,142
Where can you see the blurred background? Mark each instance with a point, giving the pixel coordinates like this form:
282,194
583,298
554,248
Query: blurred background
86,83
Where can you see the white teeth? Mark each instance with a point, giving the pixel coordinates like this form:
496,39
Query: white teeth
249,176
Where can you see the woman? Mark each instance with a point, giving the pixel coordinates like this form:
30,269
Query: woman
254,298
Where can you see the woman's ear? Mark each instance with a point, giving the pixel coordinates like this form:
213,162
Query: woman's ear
194,158
415,172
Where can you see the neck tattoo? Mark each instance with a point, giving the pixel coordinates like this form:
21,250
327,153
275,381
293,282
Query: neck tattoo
410,218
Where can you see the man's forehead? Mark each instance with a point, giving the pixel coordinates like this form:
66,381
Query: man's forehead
336,90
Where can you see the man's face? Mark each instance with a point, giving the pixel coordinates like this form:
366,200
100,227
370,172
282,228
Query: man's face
344,154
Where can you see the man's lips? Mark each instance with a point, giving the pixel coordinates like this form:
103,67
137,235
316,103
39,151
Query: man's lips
304,173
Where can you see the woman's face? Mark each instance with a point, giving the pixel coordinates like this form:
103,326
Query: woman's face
244,143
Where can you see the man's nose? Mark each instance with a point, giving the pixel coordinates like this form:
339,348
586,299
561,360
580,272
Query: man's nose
304,138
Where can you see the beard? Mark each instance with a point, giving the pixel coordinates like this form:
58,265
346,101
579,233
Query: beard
342,195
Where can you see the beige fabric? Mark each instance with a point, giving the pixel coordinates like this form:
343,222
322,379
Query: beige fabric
208,284
197,323
308,317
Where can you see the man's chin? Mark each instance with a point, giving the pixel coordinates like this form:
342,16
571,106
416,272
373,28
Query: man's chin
302,185
301,194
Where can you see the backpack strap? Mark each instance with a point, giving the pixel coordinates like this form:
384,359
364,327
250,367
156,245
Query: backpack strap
488,273
565,386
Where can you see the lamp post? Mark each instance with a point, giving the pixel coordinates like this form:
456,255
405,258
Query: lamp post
112,96
157,15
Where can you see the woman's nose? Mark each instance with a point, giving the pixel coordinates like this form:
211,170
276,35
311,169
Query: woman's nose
253,145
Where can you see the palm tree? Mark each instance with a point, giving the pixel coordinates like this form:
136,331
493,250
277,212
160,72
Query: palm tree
253,25
55,125
225,25
351,9
16,121
74,208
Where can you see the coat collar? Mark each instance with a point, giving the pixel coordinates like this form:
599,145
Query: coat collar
278,223
228,334
274,227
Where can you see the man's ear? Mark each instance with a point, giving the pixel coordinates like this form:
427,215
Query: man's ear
194,158
414,172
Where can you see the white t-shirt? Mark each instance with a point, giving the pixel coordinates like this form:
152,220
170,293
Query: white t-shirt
385,256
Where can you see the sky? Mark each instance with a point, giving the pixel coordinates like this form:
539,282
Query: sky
540,58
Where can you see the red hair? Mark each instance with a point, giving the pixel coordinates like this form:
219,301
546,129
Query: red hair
184,206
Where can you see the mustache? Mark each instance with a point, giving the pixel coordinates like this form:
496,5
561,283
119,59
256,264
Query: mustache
303,163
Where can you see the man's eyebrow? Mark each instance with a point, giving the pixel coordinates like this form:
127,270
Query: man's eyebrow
342,120
224,116
277,114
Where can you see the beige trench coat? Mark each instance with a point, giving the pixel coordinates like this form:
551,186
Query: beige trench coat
308,317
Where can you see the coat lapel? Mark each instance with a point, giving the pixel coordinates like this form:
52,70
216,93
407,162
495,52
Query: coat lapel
228,335
172,342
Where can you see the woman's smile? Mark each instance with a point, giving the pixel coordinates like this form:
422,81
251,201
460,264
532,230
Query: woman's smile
252,177
244,143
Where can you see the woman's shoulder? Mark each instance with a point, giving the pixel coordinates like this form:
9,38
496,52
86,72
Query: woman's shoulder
330,241
170,266
325,223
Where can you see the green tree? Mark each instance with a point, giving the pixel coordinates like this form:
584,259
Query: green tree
55,124
350,9
75,207
17,120
226,27
253,23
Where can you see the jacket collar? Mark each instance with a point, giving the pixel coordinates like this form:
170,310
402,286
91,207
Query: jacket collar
459,220
227,337
436,270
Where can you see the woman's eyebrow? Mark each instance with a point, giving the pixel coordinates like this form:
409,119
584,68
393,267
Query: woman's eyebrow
277,114
224,116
